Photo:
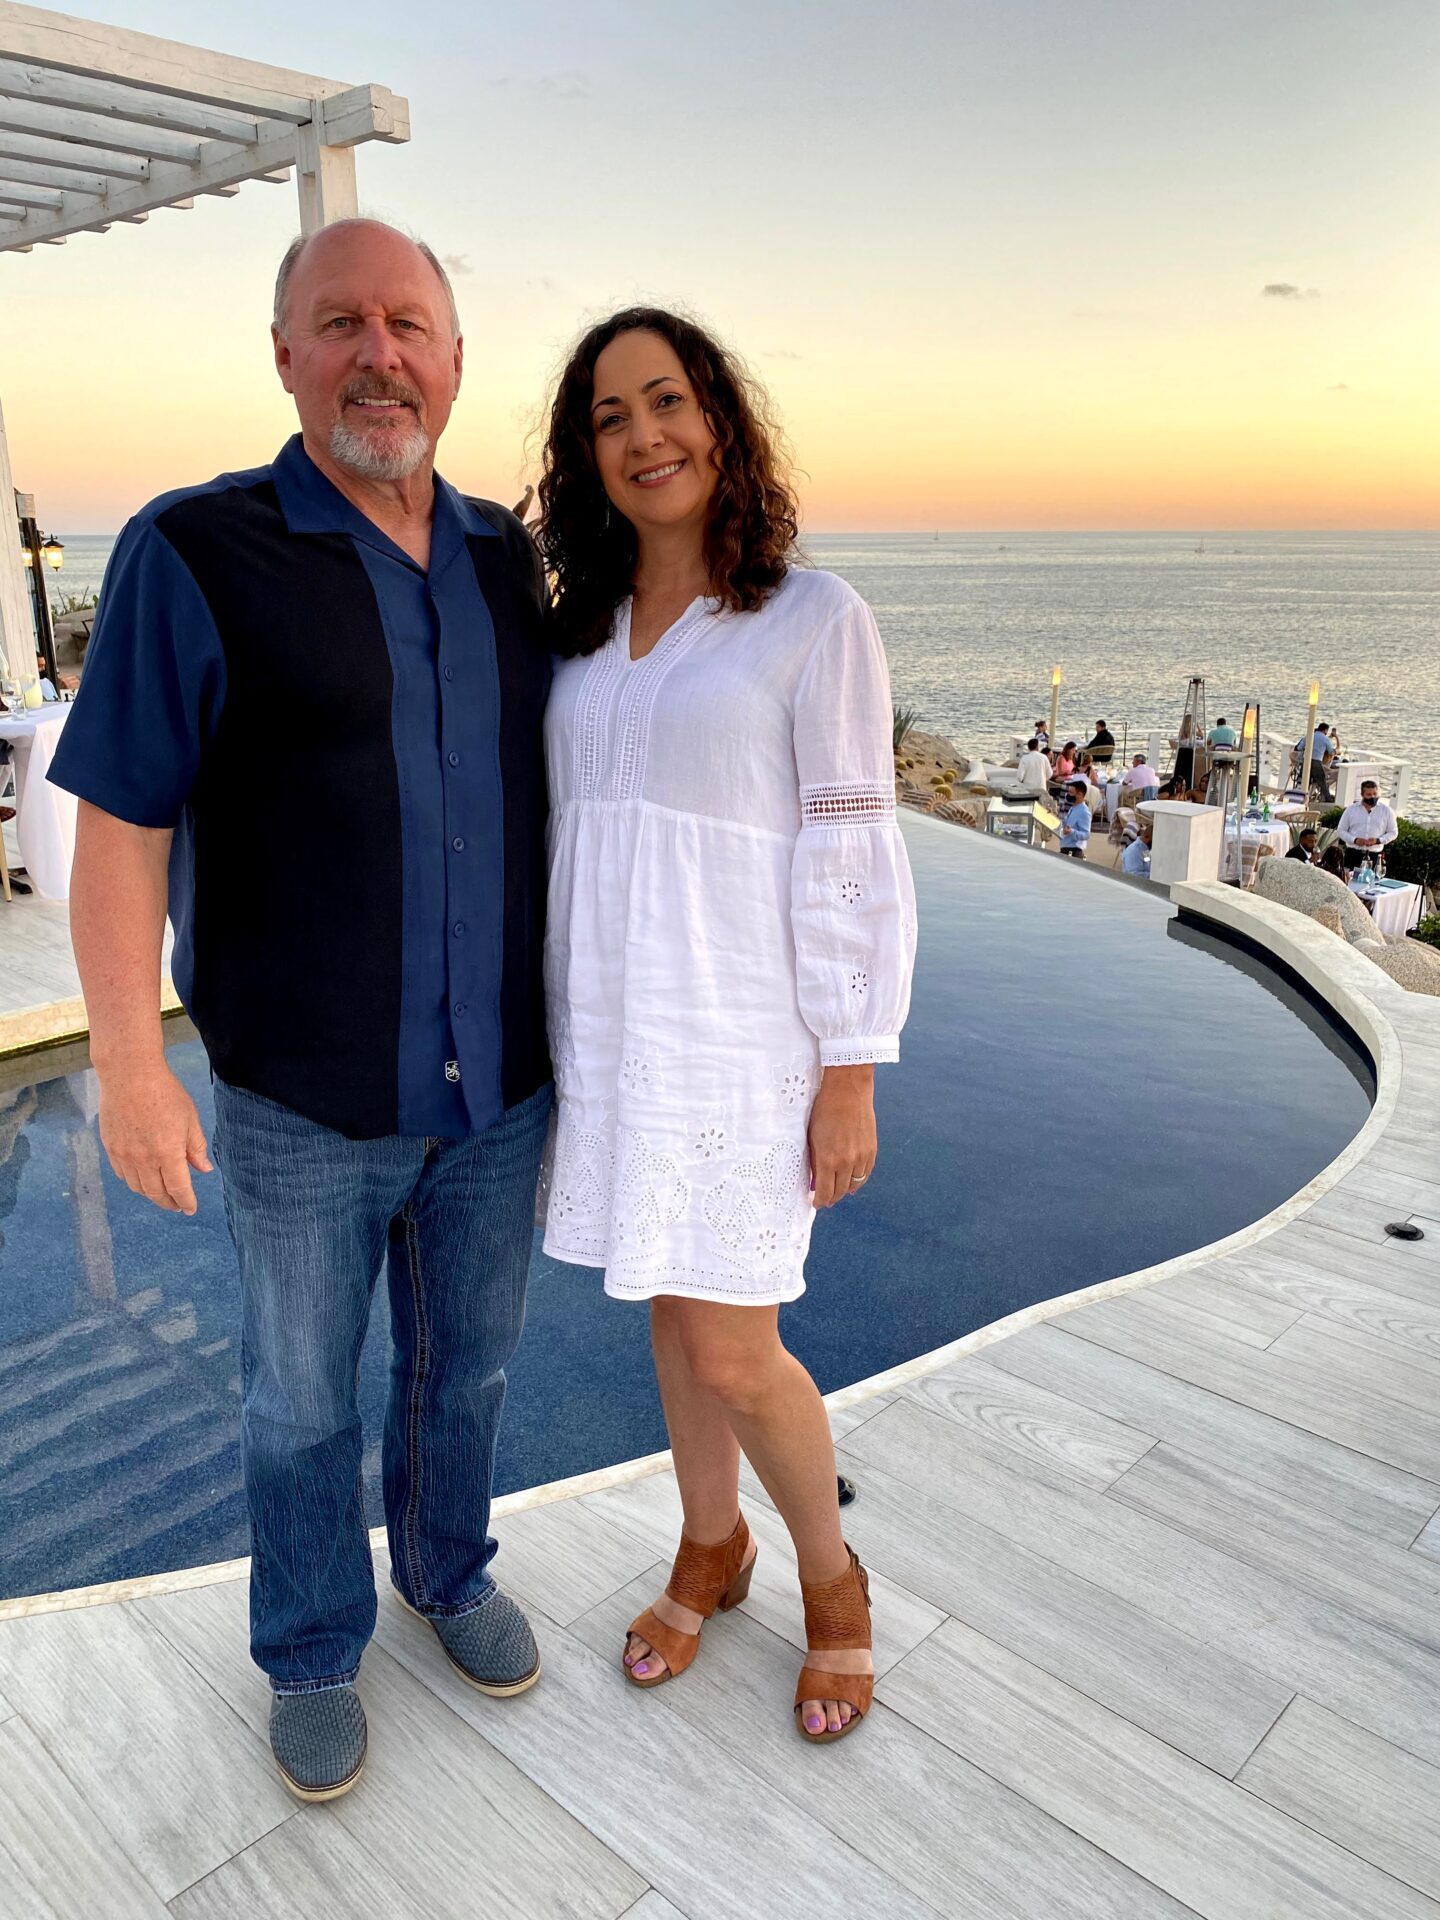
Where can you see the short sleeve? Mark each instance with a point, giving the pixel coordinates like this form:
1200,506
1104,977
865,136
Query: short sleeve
151,689
852,899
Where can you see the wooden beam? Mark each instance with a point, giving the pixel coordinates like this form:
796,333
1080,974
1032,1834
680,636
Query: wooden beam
69,45
231,166
93,129
72,159
26,174
111,98
17,194
365,113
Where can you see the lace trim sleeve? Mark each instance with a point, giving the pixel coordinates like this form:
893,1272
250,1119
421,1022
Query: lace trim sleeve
847,804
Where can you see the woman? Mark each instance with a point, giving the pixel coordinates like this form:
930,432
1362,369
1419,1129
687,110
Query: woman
729,948
1184,768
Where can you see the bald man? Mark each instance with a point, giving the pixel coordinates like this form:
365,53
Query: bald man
340,653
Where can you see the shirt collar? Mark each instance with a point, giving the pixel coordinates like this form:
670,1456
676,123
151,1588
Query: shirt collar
313,504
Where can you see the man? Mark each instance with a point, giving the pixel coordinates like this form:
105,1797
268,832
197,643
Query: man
1102,748
1366,827
372,1003
1135,860
1222,734
1304,848
1075,825
1322,752
1032,770
1142,776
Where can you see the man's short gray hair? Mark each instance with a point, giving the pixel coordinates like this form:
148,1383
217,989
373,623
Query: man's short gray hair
302,240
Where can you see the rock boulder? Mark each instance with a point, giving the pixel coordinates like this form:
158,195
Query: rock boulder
1292,884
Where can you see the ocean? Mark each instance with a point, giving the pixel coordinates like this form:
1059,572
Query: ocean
974,622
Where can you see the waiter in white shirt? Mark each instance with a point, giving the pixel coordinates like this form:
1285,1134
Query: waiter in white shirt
1366,827
1032,770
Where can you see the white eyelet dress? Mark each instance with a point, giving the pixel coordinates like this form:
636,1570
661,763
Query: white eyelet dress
730,909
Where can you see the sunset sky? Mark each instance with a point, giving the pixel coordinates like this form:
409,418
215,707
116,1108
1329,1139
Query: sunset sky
1003,263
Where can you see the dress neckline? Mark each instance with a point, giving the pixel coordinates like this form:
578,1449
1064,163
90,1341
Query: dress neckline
681,620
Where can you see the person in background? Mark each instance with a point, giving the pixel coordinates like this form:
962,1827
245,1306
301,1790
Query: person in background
1141,775
1032,770
1135,860
1304,847
1075,827
1085,768
1222,734
1063,762
1322,752
1184,768
1367,827
1042,734
1332,860
1102,747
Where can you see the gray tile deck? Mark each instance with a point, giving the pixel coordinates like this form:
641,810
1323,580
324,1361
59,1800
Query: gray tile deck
1156,1588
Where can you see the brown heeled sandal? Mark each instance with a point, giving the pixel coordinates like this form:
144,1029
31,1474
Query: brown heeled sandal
704,1579
837,1620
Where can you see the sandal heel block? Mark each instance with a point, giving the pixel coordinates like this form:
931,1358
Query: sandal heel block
704,1579
837,1620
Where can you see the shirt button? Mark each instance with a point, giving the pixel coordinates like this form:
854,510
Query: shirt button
458,843
458,928
449,673
460,1009
454,759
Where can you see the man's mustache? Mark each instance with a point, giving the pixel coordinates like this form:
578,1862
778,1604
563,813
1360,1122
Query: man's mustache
380,389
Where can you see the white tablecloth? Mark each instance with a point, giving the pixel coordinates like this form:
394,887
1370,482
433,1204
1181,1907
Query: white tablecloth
1396,908
44,814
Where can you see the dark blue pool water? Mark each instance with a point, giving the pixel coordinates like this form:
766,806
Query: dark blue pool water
1089,1086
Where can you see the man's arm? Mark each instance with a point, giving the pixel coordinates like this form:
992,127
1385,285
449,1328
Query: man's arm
148,1123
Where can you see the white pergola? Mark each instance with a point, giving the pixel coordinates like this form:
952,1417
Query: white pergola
101,127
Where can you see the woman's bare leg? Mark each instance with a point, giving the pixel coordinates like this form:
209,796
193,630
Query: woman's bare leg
725,1377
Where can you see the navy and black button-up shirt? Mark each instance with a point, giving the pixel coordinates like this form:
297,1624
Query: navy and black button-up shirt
348,748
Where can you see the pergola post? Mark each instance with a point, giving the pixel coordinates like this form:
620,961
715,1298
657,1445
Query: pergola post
17,625
325,175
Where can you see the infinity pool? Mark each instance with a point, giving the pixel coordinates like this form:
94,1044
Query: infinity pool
1090,1085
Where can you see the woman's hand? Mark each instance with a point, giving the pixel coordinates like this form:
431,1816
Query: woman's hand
842,1134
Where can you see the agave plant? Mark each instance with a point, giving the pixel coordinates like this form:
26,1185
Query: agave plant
904,719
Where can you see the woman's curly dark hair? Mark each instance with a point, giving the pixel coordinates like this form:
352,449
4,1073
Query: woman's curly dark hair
590,550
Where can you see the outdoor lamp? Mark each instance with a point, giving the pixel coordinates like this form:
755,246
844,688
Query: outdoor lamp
1055,678
54,552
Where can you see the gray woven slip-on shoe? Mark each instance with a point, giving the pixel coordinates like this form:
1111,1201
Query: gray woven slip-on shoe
318,1740
491,1647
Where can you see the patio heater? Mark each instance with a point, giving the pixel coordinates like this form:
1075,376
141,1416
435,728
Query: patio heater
38,553
1055,679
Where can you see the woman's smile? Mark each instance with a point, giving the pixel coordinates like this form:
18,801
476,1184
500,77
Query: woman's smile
657,476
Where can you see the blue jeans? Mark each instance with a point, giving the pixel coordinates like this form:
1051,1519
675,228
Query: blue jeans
313,1215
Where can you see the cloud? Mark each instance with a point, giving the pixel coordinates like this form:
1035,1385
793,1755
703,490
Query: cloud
570,84
1340,386
1287,290
780,353
456,263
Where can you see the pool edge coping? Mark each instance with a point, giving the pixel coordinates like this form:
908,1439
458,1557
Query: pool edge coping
1352,986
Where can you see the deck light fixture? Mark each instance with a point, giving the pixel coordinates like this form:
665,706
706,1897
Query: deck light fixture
54,551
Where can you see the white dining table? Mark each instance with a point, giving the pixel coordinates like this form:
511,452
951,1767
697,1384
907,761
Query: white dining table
1395,906
44,813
